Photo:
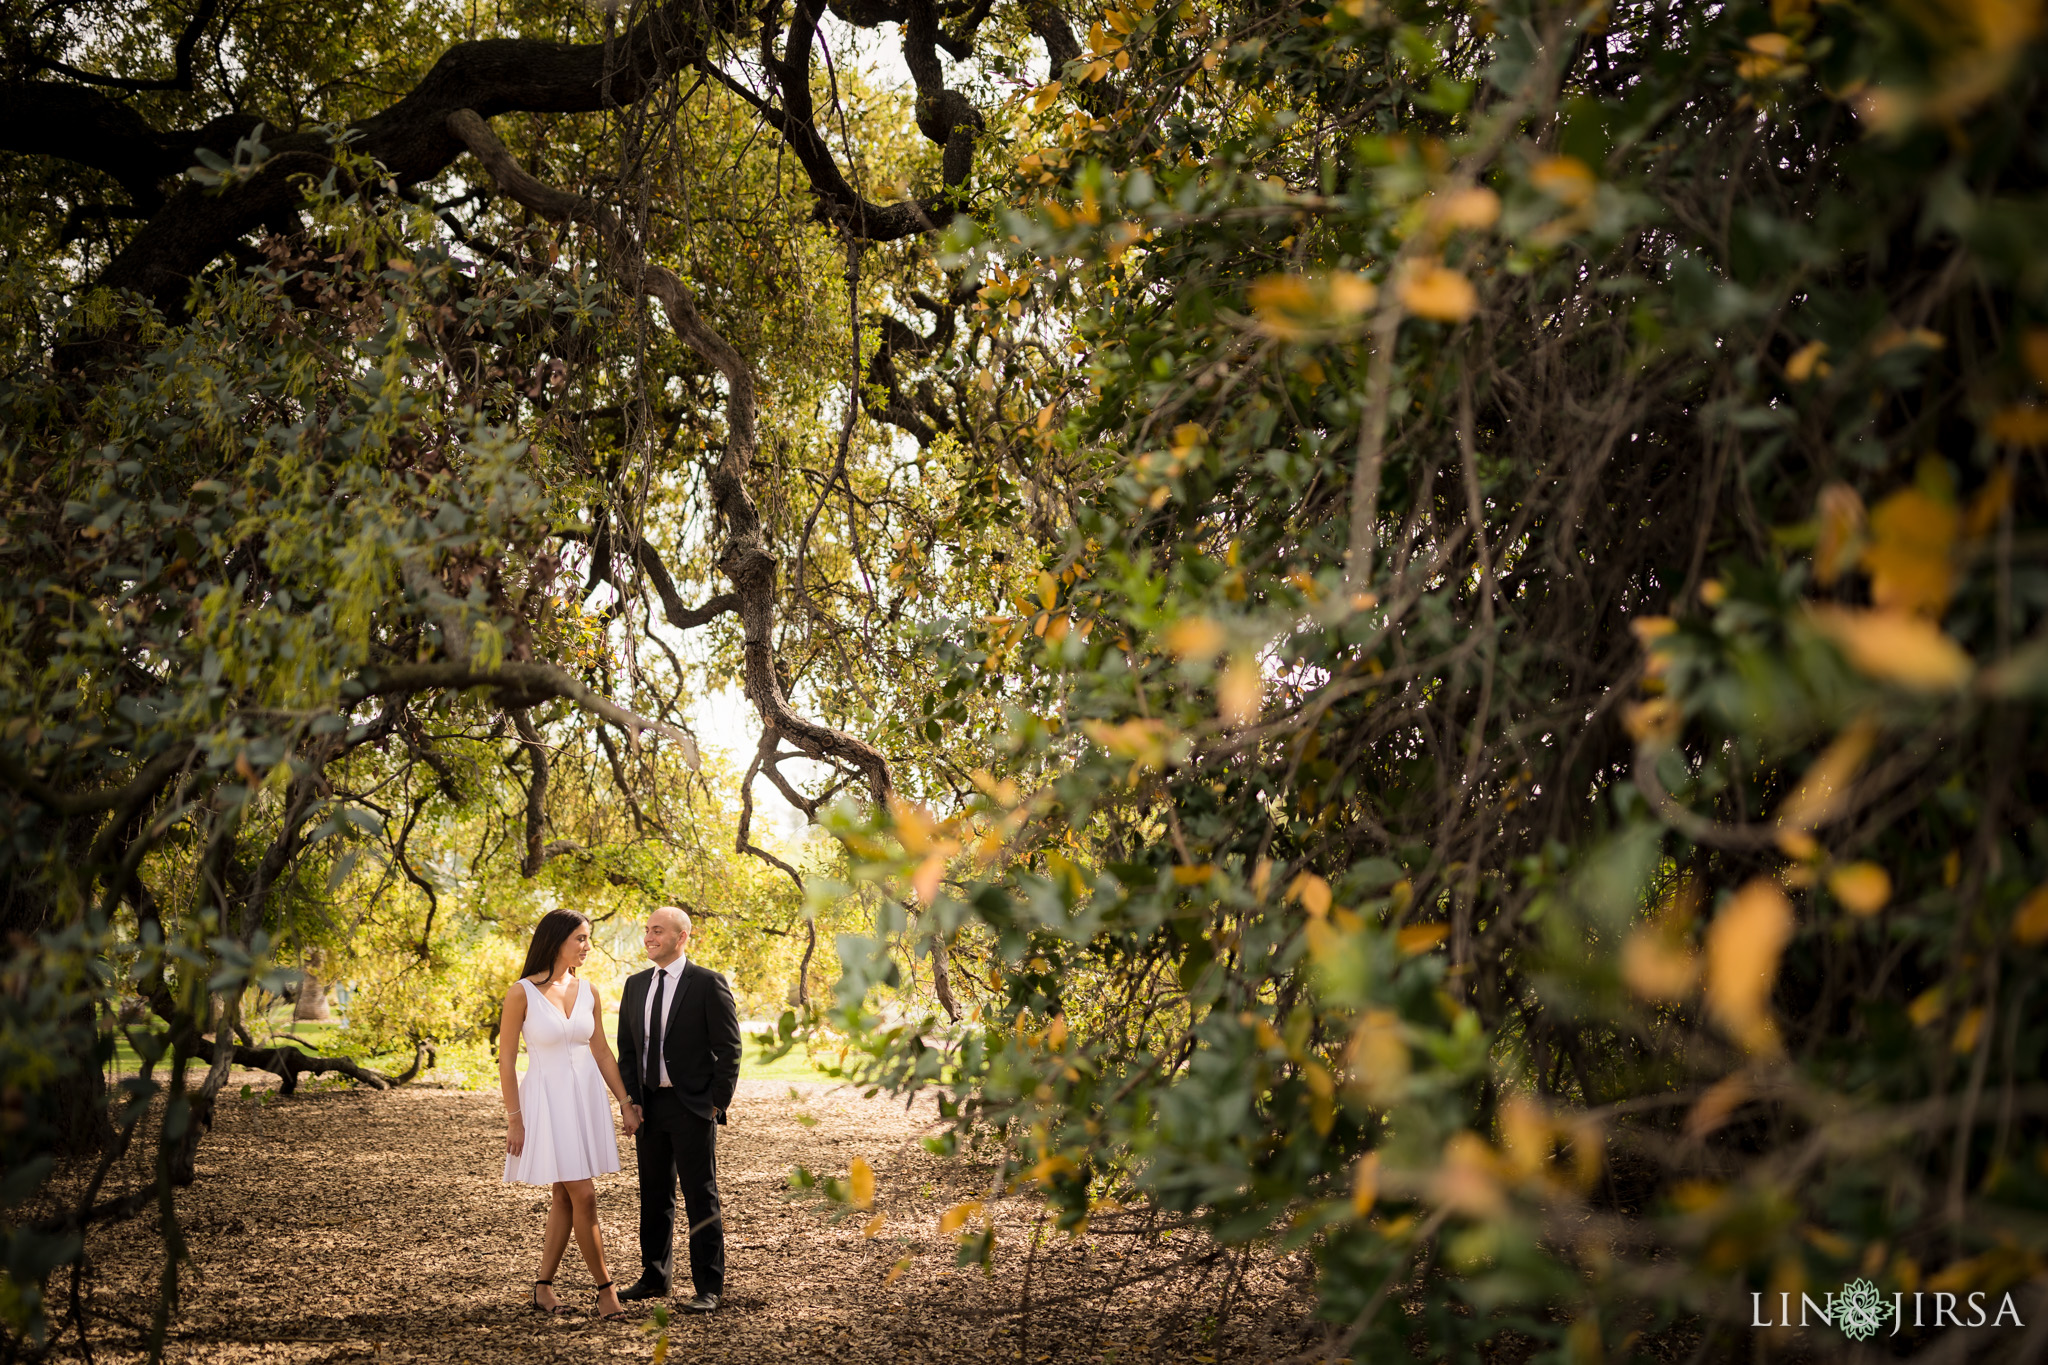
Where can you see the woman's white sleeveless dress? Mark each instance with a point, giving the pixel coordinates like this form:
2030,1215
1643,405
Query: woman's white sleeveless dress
562,1096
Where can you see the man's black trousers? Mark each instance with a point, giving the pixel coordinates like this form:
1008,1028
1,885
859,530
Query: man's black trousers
678,1147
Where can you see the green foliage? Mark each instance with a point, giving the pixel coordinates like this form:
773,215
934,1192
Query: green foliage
1524,775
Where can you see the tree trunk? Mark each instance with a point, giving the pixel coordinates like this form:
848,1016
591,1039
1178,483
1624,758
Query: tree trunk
75,1099
72,1102
312,1001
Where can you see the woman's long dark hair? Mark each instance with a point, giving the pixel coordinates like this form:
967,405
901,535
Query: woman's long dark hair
548,937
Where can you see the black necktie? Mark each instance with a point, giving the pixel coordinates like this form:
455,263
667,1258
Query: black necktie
652,1071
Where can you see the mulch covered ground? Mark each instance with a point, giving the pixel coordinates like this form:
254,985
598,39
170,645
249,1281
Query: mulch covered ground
343,1225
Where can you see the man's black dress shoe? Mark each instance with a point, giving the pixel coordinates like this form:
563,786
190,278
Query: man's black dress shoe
701,1303
644,1288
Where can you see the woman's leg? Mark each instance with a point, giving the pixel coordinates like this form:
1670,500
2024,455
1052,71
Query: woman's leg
583,1203
556,1241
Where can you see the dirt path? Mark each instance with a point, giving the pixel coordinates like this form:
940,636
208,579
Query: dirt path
345,1226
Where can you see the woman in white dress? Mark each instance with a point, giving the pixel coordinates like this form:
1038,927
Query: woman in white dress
559,1123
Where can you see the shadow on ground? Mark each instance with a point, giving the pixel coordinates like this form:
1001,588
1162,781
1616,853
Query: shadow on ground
342,1225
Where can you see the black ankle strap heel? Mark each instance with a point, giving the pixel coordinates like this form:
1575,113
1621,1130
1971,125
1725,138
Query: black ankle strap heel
539,1307
609,1317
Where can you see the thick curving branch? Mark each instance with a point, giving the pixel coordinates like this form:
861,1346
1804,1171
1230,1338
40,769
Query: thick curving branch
410,139
519,685
538,849
88,128
679,613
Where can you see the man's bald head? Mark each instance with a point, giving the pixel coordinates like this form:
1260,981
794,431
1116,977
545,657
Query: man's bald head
667,935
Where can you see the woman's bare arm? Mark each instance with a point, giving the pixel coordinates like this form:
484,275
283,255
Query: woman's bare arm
511,1020
608,1065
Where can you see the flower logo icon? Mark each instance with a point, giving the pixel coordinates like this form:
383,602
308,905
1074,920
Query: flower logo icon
1860,1310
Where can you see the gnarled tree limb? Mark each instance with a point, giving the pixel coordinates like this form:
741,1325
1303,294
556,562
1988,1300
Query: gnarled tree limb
745,558
519,685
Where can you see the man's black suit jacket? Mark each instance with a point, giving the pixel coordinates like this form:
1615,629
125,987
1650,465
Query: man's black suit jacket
701,1047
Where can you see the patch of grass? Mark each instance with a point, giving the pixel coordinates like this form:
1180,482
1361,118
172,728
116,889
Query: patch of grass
795,1065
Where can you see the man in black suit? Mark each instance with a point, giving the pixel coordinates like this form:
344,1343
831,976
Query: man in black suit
679,1054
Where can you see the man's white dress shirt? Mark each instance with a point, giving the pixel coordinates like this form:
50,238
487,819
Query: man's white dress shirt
674,974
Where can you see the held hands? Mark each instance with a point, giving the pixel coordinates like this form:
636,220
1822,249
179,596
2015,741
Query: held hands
630,1114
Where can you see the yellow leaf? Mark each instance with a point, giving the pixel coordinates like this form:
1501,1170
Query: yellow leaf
2020,425
1349,293
1806,363
1003,793
955,1218
1430,290
1657,964
1802,847
1240,692
1474,208
915,829
1564,178
1056,1032
1365,1184
1051,1168
1770,54
1967,1031
1655,721
896,1270
1526,1135
1420,938
1893,647
873,1225
1862,888
1142,741
1322,1097
1909,557
1723,1098
1313,893
1649,629
1894,336
925,880
1378,1056
1468,1182
2034,350
1195,637
1841,530
2030,924
860,1184
1825,785
1193,876
1928,1006
1743,945
1290,306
